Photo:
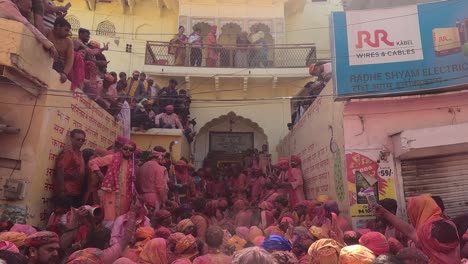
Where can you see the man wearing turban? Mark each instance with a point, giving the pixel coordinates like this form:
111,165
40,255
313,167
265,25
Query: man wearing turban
152,180
42,247
291,180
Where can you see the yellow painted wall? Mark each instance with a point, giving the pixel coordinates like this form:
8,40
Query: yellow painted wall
147,23
312,139
311,25
163,137
44,122
270,115
232,9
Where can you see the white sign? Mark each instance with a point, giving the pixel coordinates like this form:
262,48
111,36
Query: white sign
380,36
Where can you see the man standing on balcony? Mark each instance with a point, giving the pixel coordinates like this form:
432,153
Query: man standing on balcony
196,43
64,44
70,168
168,119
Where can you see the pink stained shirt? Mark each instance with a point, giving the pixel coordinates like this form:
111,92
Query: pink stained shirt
297,184
171,119
152,178
257,186
118,228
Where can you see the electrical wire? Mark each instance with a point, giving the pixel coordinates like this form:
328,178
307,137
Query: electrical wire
292,98
24,138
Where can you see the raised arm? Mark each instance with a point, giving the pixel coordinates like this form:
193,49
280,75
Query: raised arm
402,226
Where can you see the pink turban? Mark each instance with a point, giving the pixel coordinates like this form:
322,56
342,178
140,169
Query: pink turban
311,69
27,229
376,242
394,245
295,159
363,231
121,140
170,108
9,246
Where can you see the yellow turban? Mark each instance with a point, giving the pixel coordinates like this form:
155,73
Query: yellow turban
318,232
16,238
356,254
325,251
323,198
184,224
236,242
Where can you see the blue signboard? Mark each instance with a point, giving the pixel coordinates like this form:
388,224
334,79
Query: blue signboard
400,50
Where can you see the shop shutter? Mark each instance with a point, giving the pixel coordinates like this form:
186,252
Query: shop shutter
445,176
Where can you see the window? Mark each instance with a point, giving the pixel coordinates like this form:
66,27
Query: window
74,22
106,29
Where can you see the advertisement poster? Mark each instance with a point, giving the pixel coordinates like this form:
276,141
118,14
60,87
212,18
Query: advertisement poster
400,50
369,170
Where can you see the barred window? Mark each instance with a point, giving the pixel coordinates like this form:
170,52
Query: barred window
105,28
74,22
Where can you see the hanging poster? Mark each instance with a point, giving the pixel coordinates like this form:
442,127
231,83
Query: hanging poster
369,170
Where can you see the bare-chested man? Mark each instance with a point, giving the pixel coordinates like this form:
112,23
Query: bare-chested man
64,44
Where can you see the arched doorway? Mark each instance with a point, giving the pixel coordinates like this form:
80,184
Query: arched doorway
226,138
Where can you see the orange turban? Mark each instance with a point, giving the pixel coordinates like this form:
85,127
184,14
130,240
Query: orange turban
186,247
254,232
144,232
273,230
16,238
258,241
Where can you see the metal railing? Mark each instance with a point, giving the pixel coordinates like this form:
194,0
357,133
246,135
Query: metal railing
223,56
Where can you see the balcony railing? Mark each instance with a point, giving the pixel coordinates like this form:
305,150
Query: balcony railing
267,56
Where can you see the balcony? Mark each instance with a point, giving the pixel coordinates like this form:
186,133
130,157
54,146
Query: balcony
269,60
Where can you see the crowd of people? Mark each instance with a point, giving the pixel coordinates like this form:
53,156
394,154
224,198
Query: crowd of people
251,50
137,101
121,205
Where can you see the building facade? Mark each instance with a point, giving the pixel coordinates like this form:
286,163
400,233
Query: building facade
395,117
